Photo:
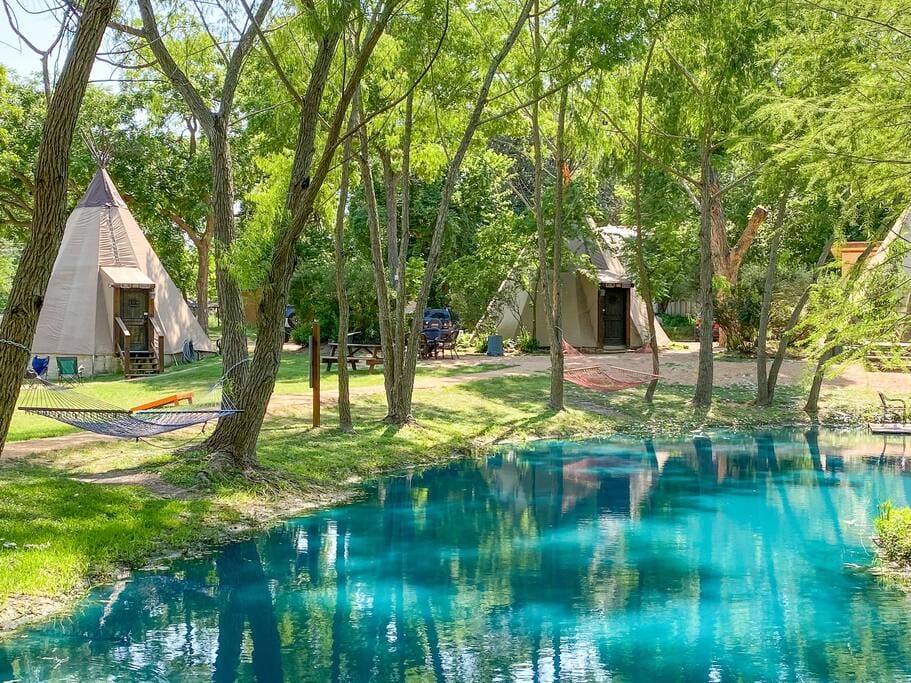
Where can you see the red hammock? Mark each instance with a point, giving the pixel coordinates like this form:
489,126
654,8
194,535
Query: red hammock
598,378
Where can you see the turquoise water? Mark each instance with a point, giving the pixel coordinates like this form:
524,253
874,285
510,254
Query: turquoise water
722,558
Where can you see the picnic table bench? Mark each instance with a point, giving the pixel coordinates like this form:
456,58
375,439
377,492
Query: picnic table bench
883,356
369,354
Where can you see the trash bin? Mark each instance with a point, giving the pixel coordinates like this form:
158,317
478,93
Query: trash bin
494,345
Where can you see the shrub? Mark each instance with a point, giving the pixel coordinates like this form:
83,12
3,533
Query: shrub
893,526
301,335
678,327
526,343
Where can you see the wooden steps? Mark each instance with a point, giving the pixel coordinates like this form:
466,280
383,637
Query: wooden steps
142,364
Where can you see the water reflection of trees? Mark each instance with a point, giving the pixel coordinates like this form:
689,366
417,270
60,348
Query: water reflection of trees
658,560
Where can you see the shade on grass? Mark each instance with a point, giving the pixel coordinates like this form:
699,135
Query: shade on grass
292,379
59,533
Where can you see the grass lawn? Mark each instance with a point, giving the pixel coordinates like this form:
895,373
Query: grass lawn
67,533
199,378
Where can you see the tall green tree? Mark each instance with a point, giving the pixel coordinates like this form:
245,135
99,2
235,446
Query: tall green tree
212,105
49,214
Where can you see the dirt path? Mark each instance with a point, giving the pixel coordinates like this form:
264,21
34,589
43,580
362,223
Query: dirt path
282,404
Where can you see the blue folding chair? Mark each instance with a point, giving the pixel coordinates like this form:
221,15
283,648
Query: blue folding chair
40,365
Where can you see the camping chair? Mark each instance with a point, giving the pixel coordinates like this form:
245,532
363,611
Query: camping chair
40,365
68,369
37,370
448,341
890,412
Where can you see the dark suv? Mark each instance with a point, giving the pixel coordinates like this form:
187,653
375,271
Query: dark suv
443,318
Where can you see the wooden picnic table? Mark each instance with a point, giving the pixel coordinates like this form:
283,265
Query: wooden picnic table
357,352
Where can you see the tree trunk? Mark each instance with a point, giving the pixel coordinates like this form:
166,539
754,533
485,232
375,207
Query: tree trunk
399,327
237,445
556,330
762,379
379,271
392,237
216,126
726,260
230,304
49,218
702,397
792,323
812,405
405,374
233,443
537,201
344,398
645,284
202,281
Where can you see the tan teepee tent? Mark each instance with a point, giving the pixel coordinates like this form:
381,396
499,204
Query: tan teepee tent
601,307
107,281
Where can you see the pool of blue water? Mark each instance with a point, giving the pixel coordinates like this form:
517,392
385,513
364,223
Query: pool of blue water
721,557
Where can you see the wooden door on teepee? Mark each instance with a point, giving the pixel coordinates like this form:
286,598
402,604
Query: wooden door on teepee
134,311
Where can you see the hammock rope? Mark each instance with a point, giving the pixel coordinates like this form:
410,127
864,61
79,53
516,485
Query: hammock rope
600,378
65,404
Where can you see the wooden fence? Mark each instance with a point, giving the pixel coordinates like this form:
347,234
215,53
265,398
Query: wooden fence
681,307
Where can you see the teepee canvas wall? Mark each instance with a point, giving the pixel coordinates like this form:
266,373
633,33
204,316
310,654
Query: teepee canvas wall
103,248
601,308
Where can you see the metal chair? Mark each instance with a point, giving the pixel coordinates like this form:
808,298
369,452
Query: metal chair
890,413
448,341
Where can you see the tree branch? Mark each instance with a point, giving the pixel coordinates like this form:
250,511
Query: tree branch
632,143
282,74
682,69
173,72
869,20
243,47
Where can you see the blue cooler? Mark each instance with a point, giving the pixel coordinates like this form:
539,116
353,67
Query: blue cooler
494,345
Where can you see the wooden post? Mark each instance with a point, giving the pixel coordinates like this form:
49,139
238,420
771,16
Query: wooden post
314,370
116,313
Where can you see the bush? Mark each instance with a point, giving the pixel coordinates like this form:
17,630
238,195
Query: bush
893,527
526,343
678,327
301,335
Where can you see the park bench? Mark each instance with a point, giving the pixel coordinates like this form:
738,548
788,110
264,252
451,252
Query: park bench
332,360
357,352
889,356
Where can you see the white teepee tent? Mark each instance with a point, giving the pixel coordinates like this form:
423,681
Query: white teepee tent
104,254
601,307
